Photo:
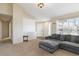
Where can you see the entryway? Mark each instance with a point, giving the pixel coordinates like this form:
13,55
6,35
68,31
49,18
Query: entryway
43,29
5,29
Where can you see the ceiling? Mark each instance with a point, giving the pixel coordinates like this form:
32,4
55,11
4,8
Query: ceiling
50,9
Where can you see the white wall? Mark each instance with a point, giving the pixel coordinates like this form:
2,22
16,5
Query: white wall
28,25
29,28
17,24
33,28
0,30
21,25
10,29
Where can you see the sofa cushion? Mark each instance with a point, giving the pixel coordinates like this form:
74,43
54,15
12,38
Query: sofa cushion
62,37
67,37
58,36
49,43
48,37
73,47
52,42
53,36
75,39
57,41
70,43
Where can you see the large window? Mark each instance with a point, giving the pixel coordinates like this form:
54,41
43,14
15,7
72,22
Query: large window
68,26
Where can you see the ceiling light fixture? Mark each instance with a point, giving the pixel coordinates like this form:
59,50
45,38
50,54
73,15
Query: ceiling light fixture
40,5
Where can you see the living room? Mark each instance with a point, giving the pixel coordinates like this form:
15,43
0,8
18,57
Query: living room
31,25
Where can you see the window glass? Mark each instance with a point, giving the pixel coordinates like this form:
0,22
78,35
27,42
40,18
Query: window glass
68,26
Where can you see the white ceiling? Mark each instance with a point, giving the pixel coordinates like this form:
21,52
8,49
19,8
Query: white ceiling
50,10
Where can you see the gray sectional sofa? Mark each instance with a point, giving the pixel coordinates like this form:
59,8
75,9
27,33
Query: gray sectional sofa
57,41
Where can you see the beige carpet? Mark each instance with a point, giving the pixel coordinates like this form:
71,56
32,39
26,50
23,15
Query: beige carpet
30,48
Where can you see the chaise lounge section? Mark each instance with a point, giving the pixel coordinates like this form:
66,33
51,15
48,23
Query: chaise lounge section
49,45
57,41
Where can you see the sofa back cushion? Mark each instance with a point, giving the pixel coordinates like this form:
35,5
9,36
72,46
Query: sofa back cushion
58,36
62,37
75,39
67,37
53,36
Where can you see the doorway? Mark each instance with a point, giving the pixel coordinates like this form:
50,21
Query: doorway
40,29
43,29
5,29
